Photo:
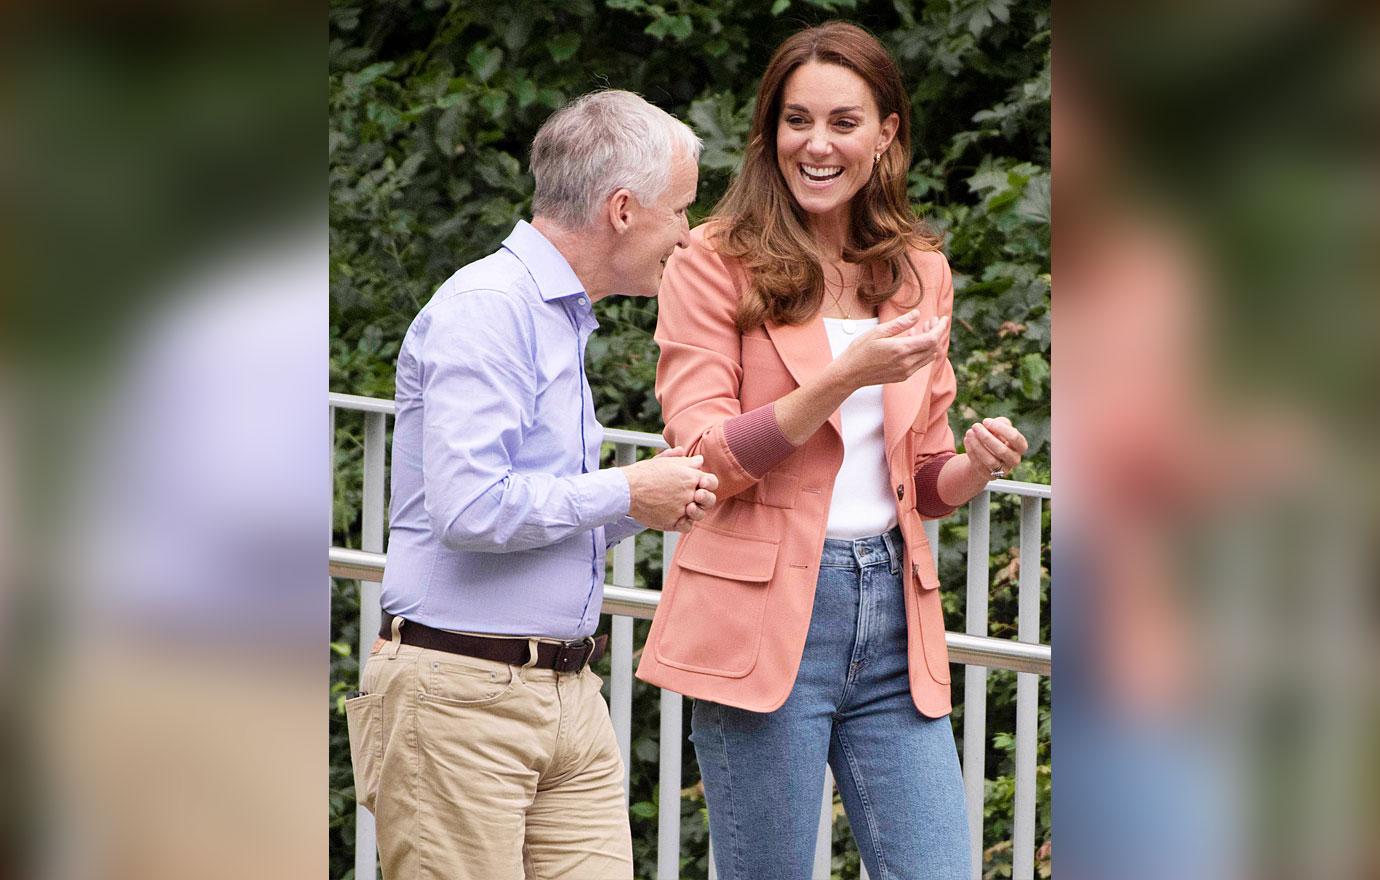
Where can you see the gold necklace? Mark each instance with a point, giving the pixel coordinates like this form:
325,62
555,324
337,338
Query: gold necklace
838,303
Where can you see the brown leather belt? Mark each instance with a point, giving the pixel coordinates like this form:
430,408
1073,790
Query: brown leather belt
570,656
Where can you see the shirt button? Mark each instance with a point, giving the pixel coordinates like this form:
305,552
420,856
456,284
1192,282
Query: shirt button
900,491
582,301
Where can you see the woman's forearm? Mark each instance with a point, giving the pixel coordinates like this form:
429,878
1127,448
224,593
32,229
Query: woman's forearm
805,410
961,480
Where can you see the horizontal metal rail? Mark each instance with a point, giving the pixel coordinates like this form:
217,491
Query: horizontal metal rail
634,602
358,403
975,649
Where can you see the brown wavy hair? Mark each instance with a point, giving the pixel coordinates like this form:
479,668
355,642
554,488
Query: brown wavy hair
759,223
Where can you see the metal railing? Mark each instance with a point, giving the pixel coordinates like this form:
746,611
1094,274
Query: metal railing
975,649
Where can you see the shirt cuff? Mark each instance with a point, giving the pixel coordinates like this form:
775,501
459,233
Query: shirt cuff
624,527
604,496
927,501
755,439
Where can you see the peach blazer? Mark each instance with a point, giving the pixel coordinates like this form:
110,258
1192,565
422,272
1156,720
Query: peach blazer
737,601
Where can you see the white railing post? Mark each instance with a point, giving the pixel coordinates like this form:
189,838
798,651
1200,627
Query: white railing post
668,801
371,534
620,661
824,840
672,727
1027,696
975,677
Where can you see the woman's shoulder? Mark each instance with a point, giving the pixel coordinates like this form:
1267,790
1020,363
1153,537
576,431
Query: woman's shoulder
700,266
706,251
708,237
929,263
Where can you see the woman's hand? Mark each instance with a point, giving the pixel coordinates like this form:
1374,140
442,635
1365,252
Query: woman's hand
994,447
894,351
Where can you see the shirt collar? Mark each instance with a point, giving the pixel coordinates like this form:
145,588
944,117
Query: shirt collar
554,277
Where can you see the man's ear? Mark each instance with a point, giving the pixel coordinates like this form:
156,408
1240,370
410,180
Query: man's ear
618,209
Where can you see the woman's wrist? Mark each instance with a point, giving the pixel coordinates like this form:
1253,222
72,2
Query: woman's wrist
838,378
961,480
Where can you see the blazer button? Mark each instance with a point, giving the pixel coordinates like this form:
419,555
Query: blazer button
900,491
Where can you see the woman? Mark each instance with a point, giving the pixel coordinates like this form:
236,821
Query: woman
804,350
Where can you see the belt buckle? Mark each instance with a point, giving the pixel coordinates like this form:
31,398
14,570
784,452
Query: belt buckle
573,655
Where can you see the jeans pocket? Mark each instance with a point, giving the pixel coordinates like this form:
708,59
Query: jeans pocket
364,717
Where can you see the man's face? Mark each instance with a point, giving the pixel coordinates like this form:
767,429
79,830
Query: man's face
657,230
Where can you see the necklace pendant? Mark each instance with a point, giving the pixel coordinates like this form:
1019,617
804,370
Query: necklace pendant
848,327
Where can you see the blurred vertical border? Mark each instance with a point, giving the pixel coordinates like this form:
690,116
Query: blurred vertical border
163,484
1217,203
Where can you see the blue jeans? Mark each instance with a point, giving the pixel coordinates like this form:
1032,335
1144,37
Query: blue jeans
897,771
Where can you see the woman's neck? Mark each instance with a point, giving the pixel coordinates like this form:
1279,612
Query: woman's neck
830,232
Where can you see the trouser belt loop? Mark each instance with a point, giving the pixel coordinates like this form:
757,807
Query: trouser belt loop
396,642
889,539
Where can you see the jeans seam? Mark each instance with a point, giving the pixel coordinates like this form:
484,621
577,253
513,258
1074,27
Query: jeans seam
873,831
734,850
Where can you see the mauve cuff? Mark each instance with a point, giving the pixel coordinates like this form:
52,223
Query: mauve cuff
755,439
927,500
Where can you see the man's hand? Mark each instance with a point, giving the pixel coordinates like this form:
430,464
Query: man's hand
704,498
669,492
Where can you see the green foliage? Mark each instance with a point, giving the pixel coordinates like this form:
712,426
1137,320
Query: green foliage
432,107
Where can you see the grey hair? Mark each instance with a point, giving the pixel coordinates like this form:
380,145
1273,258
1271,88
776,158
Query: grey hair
599,143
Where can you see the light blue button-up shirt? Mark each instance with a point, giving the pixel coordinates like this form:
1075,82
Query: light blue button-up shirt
500,513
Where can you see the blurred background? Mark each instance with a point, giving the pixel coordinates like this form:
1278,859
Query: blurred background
164,468
163,483
1217,207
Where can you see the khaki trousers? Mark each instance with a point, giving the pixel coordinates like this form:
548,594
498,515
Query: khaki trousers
477,770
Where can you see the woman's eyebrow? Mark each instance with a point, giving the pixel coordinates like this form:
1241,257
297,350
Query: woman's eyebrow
835,111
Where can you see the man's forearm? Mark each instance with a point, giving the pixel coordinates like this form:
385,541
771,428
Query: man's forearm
525,511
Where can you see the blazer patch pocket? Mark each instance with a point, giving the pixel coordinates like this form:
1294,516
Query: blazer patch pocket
718,589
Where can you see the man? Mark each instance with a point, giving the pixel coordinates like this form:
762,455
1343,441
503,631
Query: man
482,743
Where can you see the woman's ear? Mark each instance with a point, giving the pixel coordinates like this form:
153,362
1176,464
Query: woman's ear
888,134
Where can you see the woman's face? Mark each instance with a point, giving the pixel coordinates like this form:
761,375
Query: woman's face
826,136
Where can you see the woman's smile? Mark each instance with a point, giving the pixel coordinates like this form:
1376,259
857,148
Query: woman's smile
820,175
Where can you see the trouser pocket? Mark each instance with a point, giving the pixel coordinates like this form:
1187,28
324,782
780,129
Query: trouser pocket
364,717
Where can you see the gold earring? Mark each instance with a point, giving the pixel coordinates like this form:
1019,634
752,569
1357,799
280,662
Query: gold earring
876,157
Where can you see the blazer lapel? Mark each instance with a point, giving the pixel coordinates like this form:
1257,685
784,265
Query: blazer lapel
804,348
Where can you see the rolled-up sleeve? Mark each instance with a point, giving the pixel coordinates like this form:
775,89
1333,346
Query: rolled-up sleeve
936,444
479,391
700,373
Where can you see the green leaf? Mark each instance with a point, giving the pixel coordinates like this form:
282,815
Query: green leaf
484,61
354,82
563,46
495,101
645,749
681,26
1034,372
780,6
526,93
643,810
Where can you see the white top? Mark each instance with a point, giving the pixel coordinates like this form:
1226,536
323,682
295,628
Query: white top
862,504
